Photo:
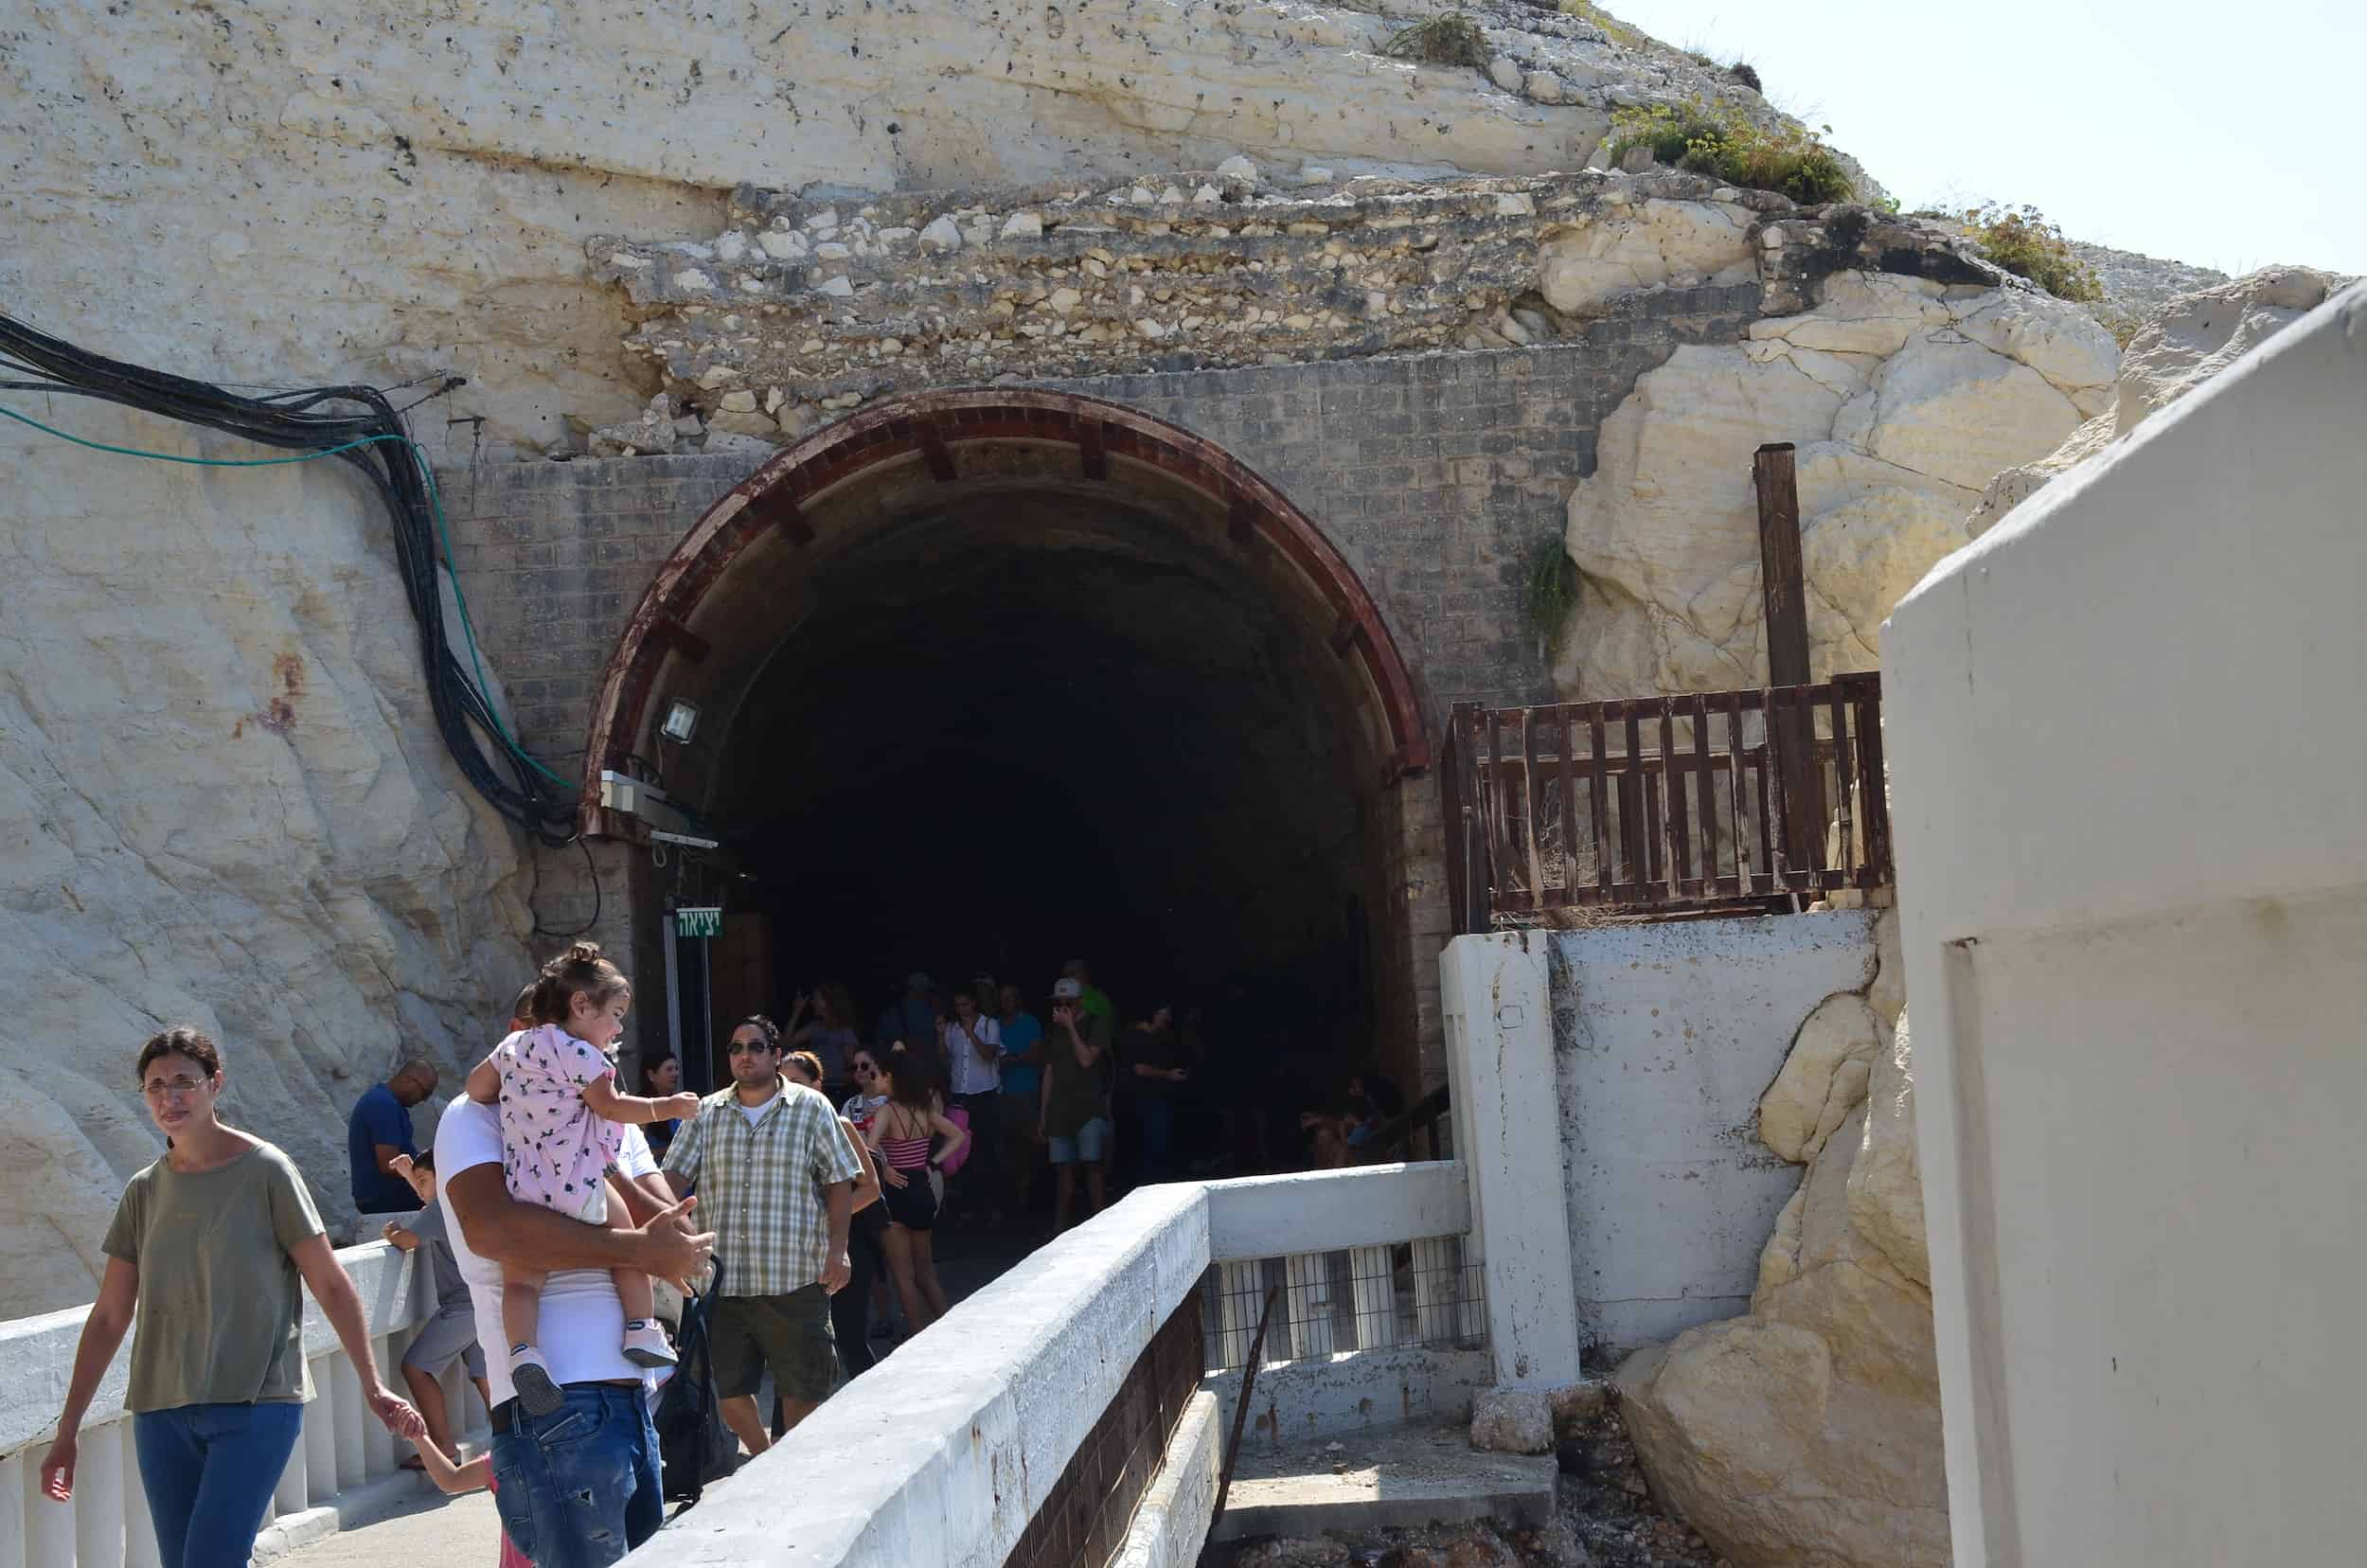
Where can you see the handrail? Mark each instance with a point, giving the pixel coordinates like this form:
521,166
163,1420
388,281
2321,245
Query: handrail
106,1525
950,1447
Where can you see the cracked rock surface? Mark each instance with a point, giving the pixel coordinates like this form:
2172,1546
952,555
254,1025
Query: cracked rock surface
224,806
1904,396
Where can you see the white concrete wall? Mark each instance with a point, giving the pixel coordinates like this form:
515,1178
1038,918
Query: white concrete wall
1358,1391
2126,756
1663,1038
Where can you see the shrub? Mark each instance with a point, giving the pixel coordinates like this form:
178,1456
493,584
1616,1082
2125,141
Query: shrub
1719,141
1746,73
1553,590
2022,242
1612,29
1452,39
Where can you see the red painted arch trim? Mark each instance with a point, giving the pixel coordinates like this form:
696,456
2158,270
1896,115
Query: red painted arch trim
932,423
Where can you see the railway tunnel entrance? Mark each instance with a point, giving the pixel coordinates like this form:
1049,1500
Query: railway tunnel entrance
986,681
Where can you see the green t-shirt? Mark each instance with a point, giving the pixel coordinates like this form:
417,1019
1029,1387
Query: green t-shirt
221,1315
1077,1094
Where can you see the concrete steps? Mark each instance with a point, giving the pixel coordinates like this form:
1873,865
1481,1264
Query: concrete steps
1384,1478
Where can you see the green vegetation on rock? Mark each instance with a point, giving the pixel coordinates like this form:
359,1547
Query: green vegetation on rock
1449,39
2021,240
1719,141
1553,590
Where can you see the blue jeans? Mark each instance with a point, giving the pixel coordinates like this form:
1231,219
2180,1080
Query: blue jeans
1158,1115
578,1488
209,1471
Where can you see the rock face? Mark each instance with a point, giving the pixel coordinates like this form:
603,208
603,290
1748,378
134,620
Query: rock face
1807,1435
2187,342
363,196
1905,396
224,806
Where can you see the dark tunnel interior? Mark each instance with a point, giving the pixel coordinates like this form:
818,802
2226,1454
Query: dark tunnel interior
1016,724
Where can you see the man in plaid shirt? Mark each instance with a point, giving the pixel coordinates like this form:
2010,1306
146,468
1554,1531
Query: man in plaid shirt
776,1179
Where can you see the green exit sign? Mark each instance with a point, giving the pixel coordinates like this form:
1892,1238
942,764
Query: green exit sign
699,922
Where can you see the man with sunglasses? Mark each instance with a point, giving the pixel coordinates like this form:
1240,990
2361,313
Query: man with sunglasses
776,1181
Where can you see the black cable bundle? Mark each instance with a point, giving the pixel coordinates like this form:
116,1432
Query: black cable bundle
374,441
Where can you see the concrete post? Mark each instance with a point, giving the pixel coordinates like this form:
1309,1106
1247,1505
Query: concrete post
294,1493
139,1528
1376,1298
1309,1299
98,1498
1500,1058
320,1434
378,1443
351,1417
1433,1290
48,1527
15,1497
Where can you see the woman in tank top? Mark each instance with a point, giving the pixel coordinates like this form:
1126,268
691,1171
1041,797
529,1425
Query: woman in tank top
900,1135
203,1259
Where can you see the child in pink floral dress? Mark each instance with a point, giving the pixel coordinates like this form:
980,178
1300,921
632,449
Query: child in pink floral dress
555,1087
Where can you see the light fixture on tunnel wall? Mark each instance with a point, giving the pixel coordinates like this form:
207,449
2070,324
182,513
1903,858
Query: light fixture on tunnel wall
681,719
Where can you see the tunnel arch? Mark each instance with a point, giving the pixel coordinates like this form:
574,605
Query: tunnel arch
1246,748
984,435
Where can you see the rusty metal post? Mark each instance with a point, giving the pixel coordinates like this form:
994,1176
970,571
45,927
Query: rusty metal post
1783,585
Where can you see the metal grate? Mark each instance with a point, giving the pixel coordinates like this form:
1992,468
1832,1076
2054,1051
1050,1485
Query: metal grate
1084,1516
1425,1294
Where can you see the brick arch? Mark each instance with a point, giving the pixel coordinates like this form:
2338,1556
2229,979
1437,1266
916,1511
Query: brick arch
934,427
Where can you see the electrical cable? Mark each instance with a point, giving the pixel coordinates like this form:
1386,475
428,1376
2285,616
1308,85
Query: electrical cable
372,438
592,875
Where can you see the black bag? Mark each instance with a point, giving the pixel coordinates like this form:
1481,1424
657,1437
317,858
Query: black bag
694,1446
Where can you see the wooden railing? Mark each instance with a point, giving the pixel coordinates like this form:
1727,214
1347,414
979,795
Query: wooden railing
1676,805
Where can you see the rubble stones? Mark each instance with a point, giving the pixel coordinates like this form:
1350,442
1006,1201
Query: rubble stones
1512,1421
1249,275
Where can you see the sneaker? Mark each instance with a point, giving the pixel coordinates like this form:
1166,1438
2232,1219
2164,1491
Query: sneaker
530,1375
645,1345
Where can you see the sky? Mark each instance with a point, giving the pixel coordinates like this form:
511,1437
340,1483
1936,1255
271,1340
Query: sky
2209,133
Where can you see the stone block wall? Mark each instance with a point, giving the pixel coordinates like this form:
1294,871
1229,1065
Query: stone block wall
1439,477
1436,476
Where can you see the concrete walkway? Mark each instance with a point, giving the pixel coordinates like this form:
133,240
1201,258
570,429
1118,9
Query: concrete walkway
449,1532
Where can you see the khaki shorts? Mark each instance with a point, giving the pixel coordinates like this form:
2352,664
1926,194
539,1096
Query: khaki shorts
790,1334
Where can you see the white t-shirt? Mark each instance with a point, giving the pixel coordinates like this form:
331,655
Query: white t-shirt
969,1075
583,1323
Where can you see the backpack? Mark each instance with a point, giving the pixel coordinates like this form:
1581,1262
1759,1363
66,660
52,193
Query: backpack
959,1116
694,1446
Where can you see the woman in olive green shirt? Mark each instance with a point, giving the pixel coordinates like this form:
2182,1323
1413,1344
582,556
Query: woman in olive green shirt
203,1259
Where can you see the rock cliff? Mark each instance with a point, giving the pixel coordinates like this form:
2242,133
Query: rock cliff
221,802
384,194
1904,395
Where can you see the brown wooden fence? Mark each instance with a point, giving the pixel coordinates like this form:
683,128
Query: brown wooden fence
1679,805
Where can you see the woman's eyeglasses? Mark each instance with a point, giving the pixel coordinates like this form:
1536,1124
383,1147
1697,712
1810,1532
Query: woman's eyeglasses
861,1071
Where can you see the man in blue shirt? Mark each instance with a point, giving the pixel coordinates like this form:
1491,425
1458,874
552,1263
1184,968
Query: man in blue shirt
378,1130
